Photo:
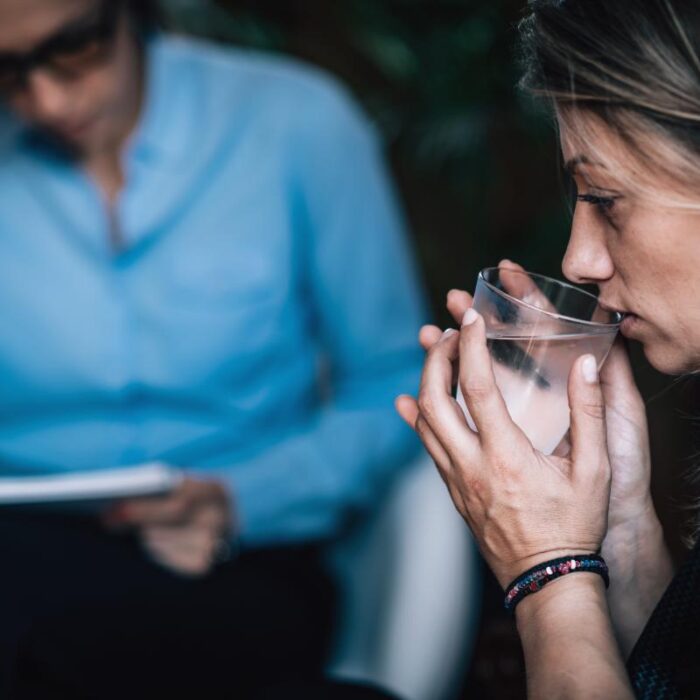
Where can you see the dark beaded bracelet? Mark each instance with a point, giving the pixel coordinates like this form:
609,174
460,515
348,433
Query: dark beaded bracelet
538,576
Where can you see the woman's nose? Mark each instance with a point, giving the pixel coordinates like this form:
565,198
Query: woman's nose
587,259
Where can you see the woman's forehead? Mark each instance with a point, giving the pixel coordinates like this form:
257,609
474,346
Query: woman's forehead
581,136
26,23
657,169
587,144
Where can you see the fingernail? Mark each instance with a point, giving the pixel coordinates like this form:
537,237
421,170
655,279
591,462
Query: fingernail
448,332
469,317
589,369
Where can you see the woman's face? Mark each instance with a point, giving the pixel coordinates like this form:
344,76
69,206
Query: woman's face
83,85
644,256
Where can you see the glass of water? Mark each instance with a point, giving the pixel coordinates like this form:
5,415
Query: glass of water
536,328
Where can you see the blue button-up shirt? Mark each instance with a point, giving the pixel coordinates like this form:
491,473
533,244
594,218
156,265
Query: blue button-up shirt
259,320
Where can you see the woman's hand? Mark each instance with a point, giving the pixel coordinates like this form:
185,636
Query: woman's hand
183,531
628,441
634,546
523,507
626,424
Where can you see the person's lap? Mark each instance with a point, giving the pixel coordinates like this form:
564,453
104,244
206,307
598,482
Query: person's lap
84,614
322,690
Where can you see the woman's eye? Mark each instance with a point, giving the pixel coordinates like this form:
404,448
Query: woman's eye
604,204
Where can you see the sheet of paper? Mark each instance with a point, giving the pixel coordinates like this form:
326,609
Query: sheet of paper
150,479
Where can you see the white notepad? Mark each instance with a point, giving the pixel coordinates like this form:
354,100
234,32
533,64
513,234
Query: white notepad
150,479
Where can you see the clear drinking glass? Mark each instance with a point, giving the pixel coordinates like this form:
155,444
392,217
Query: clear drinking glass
536,328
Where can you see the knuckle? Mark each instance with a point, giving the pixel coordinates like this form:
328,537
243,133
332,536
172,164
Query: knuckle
437,349
469,483
426,405
593,409
478,388
422,427
499,464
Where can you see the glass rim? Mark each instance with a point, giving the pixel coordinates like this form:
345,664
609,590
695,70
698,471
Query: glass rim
553,314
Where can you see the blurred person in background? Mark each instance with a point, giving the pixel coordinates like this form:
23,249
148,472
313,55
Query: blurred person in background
201,262
624,80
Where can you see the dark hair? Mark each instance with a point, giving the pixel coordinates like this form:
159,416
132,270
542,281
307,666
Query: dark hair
635,66
146,14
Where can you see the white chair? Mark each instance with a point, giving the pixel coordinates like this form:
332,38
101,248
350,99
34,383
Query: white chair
409,589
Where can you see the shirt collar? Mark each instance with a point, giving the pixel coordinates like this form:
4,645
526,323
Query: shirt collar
167,115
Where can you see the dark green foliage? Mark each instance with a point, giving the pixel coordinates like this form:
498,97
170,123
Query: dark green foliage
475,162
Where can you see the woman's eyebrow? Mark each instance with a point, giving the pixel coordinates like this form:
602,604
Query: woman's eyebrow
573,163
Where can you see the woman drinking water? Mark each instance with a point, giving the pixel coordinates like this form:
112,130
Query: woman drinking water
623,80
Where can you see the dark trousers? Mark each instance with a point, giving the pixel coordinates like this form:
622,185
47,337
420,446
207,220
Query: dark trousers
85,614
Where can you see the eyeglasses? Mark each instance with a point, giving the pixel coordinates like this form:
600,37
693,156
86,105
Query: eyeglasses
71,51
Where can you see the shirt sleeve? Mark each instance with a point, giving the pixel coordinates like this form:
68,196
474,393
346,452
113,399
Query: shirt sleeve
367,305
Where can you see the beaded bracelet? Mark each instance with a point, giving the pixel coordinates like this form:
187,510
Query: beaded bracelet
538,576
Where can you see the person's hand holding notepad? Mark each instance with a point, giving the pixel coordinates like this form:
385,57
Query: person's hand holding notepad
185,530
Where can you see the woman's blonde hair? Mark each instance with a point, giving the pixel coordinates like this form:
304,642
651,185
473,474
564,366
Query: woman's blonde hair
632,68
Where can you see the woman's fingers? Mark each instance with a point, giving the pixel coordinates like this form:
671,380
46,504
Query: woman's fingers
432,444
435,401
513,281
428,336
458,301
563,449
522,286
589,453
478,384
407,408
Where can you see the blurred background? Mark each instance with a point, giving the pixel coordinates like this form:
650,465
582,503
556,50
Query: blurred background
477,169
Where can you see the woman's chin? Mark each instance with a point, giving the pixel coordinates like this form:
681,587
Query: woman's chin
668,358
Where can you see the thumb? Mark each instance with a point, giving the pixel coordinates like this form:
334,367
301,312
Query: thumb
617,369
589,453
619,387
